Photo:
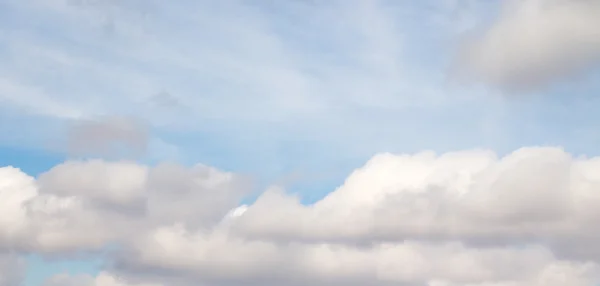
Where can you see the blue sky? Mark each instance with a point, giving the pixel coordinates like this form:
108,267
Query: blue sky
296,93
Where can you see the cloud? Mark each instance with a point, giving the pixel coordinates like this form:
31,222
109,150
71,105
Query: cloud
531,195
232,261
33,100
164,99
103,279
12,269
107,136
534,44
344,74
234,69
61,214
459,218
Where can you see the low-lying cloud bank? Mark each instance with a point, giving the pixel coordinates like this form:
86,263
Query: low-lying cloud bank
461,218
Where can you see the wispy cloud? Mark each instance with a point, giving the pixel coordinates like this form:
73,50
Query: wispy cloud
304,65
355,77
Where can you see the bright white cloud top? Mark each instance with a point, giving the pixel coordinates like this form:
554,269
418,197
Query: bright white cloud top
460,218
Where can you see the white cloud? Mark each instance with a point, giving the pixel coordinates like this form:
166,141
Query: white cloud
119,183
461,218
226,260
536,43
16,188
84,205
532,195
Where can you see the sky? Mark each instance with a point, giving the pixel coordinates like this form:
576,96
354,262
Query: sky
301,142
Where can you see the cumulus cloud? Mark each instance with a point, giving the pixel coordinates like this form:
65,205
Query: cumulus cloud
535,43
532,195
232,261
84,205
460,218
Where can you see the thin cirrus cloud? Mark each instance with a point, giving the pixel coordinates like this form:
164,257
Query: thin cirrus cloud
311,67
341,75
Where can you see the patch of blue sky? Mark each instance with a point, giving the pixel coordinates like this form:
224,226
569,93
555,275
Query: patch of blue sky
30,161
40,269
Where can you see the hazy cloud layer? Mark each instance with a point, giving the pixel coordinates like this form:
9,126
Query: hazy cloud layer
269,73
461,218
108,136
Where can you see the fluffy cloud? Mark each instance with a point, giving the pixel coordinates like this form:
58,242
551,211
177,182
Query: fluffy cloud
229,260
536,42
460,218
532,195
83,205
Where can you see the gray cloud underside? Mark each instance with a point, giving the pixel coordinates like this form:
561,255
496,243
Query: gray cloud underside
536,44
